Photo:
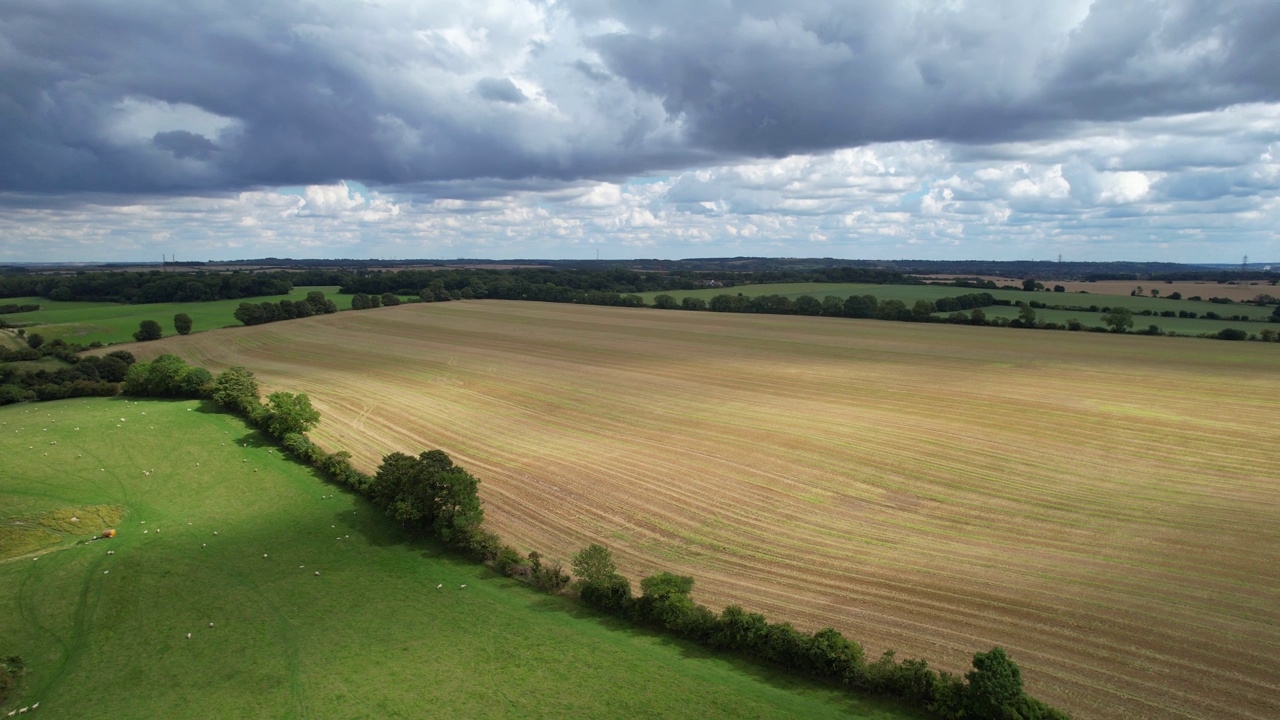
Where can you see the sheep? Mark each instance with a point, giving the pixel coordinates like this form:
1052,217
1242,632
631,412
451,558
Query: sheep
301,567
12,713
463,586
204,545
215,532
104,572
210,624
144,532
111,552
35,705
317,573
440,586
22,710
264,554
188,636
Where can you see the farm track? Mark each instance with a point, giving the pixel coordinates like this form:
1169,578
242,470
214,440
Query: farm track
1104,507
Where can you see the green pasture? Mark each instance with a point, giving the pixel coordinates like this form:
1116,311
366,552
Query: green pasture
909,294
1182,326
87,322
222,538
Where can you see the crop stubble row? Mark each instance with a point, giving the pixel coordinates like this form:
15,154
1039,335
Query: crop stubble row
1103,507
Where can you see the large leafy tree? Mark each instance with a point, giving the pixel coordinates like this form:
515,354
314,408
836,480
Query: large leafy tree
1120,319
290,413
148,330
182,323
236,388
594,564
994,684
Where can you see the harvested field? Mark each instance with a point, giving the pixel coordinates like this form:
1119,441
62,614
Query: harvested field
1105,507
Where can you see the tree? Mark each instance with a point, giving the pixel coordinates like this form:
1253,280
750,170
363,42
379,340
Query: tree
994,684
1027,316
148,330
1030,285
35,340
290,413
1120,319
664,302
236,388
693,303
182,323
808,305
390,299
594,564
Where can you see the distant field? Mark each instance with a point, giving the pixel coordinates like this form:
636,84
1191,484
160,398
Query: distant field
1182,326
1237,291
370,637
87,322
1105,507
911,293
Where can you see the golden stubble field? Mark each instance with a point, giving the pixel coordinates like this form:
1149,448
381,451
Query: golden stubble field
1106,508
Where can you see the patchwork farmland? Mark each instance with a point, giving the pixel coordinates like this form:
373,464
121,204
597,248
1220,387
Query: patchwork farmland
1104,507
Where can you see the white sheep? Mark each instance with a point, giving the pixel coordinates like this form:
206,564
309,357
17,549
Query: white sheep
463,587
264,554
210,624
12,713
111,552
35,705
188,636
22,710
440,586
317,573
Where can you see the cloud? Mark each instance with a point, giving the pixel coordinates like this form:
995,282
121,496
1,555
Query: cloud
500,89
520,126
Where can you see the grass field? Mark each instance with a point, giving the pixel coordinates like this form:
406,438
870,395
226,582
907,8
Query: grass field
1181,326
1104,507
909,294
87,322
369,637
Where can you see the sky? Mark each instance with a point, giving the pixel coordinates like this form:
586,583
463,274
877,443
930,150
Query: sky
1144,130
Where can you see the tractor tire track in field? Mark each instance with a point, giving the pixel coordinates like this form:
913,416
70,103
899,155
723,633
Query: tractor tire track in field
1100,505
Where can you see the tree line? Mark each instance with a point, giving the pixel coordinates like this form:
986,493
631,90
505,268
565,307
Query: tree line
265,312
146,287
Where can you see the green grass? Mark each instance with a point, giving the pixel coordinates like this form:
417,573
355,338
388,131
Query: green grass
1182,326
87,322
370,637
909,294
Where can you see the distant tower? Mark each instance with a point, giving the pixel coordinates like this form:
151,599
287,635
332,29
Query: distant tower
1244,265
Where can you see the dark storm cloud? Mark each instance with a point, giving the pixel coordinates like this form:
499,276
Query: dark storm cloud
752,79
185,144
163,97
500,90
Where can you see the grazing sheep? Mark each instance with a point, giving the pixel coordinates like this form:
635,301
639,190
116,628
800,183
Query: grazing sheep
12,713
188,636
22,710
301,567
215,532
463,587
317,572
104,572
210,624
204,545
264,554
35,705
440,586
144,532
111,552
